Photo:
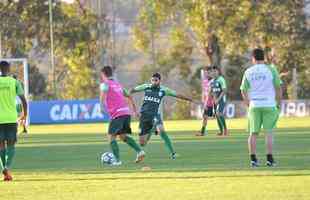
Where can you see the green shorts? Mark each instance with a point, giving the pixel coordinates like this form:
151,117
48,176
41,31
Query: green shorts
265,117
8,132
147,124
120,125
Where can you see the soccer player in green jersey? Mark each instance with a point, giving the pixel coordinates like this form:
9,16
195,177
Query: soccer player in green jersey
9,89
260,89
150,118
218,89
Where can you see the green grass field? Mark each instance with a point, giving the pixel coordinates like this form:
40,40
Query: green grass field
61,162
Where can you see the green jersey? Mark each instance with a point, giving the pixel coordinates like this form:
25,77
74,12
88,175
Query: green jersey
9,89
152,98
217,85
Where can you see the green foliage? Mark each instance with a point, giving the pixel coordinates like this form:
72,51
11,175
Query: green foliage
24,27
240,26
182,111
37,83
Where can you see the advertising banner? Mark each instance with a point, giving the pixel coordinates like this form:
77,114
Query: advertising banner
75,111
236,109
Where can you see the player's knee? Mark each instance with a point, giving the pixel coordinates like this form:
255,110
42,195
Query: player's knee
142,142
11,142
219,114
2,145
160,129
111,138
123,137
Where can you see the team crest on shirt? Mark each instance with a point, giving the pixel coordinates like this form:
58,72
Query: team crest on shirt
160,93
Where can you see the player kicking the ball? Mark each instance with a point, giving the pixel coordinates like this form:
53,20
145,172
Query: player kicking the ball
113,98
150,118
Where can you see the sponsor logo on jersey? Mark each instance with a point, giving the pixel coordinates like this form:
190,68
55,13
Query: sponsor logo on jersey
152,99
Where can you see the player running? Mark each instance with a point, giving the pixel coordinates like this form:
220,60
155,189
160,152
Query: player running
113,98
260,90
207,100
218,91
9,89
150,118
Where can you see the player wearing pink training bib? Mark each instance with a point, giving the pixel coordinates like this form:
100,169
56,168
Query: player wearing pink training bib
207,100
115,101
114,98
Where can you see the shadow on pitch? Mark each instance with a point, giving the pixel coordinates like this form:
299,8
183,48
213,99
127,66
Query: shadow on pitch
133,178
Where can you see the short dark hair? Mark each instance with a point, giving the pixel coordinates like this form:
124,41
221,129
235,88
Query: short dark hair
208,68
4,65
157,75
107,70
258,54
217,68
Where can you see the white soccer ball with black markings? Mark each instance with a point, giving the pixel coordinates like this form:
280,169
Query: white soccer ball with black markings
107,158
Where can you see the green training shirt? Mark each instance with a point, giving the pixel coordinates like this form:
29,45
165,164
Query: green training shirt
9,89
260,82
217,85
152,98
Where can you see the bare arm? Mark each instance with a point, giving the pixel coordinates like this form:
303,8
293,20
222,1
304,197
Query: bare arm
132,103
245,97
25,107
278,95
102,98
132,91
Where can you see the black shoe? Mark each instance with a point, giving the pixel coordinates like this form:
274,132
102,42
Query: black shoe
254,163
271,163
173,156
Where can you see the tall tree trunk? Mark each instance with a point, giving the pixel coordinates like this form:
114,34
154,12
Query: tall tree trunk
213,51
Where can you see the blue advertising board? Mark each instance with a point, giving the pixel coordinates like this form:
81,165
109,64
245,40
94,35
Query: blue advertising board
64,112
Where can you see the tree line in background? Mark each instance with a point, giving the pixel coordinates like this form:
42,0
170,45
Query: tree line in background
24,29
171,33
223,32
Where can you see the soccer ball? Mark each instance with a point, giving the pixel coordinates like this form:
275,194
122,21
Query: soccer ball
107,158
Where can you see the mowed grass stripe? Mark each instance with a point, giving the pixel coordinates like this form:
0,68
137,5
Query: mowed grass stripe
180,125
